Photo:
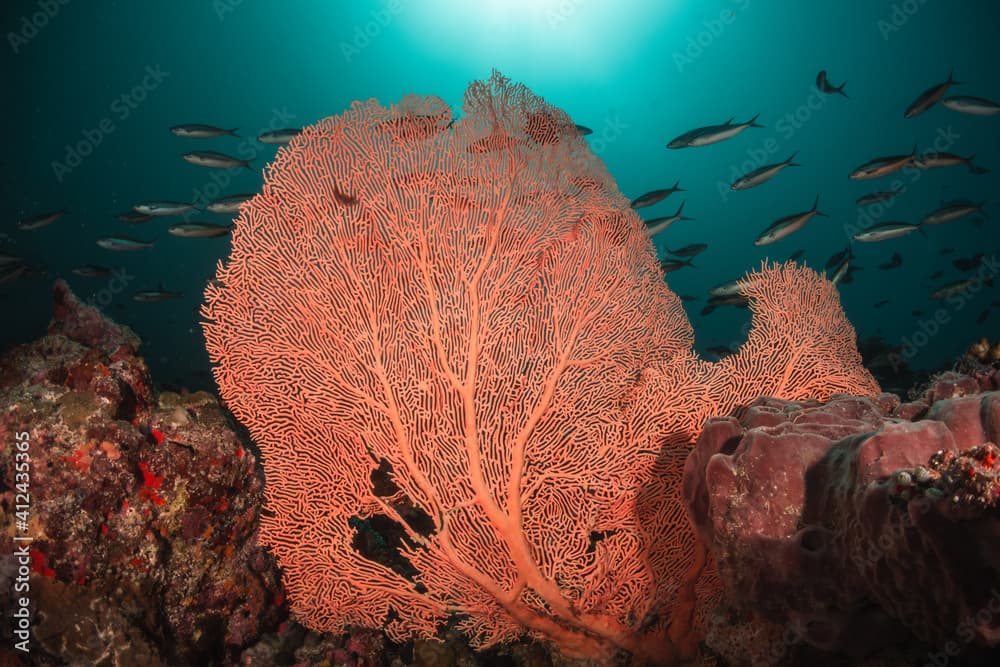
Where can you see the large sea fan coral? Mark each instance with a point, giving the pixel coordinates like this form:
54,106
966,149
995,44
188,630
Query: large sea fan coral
472,310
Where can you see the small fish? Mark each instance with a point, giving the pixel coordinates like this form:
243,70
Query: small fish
134,217
657,225
582,131
711,134
951,289
937,274
654,196
762,174
687,297
946,251
215,160
41,220
91,271
198,230
229,204
123,243
671,265
983,316
952,211
162,207
842,272
884,231
198,131
968,263
154,295
876,197
720,351
880,304
714,302
930,97
691,250
825,86
731,288
277,137
795,255
787,225
938,160
837,257
13,272
976,106
882,166
895,262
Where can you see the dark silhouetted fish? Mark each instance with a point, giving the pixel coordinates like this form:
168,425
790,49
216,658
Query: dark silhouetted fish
876,197
946,251
937,160
198,131
671,265
952,211
162,207
41,220
983,316
228,204
278,137
882,303
123,243
91,271
154,295
655,196
198,230
825,86
836,258
895,262
930,97
762,174
215,160
134,217
689,250
968,263
657,225
795,255
711,134
582,131
937,274
882,166
787,225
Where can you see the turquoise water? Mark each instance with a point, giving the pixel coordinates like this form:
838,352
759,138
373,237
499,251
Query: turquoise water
95,86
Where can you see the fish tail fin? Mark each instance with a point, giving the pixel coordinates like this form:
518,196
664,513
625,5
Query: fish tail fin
815,208
677,187
920,228
791,160
679,209
951,78
233,132
753,121
246,165
690,262
841,90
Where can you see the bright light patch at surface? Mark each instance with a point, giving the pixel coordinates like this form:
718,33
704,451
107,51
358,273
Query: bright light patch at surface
578,38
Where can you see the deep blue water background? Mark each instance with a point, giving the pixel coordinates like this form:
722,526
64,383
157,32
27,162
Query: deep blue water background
638,73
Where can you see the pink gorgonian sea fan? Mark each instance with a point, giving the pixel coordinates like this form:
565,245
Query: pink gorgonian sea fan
457,331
